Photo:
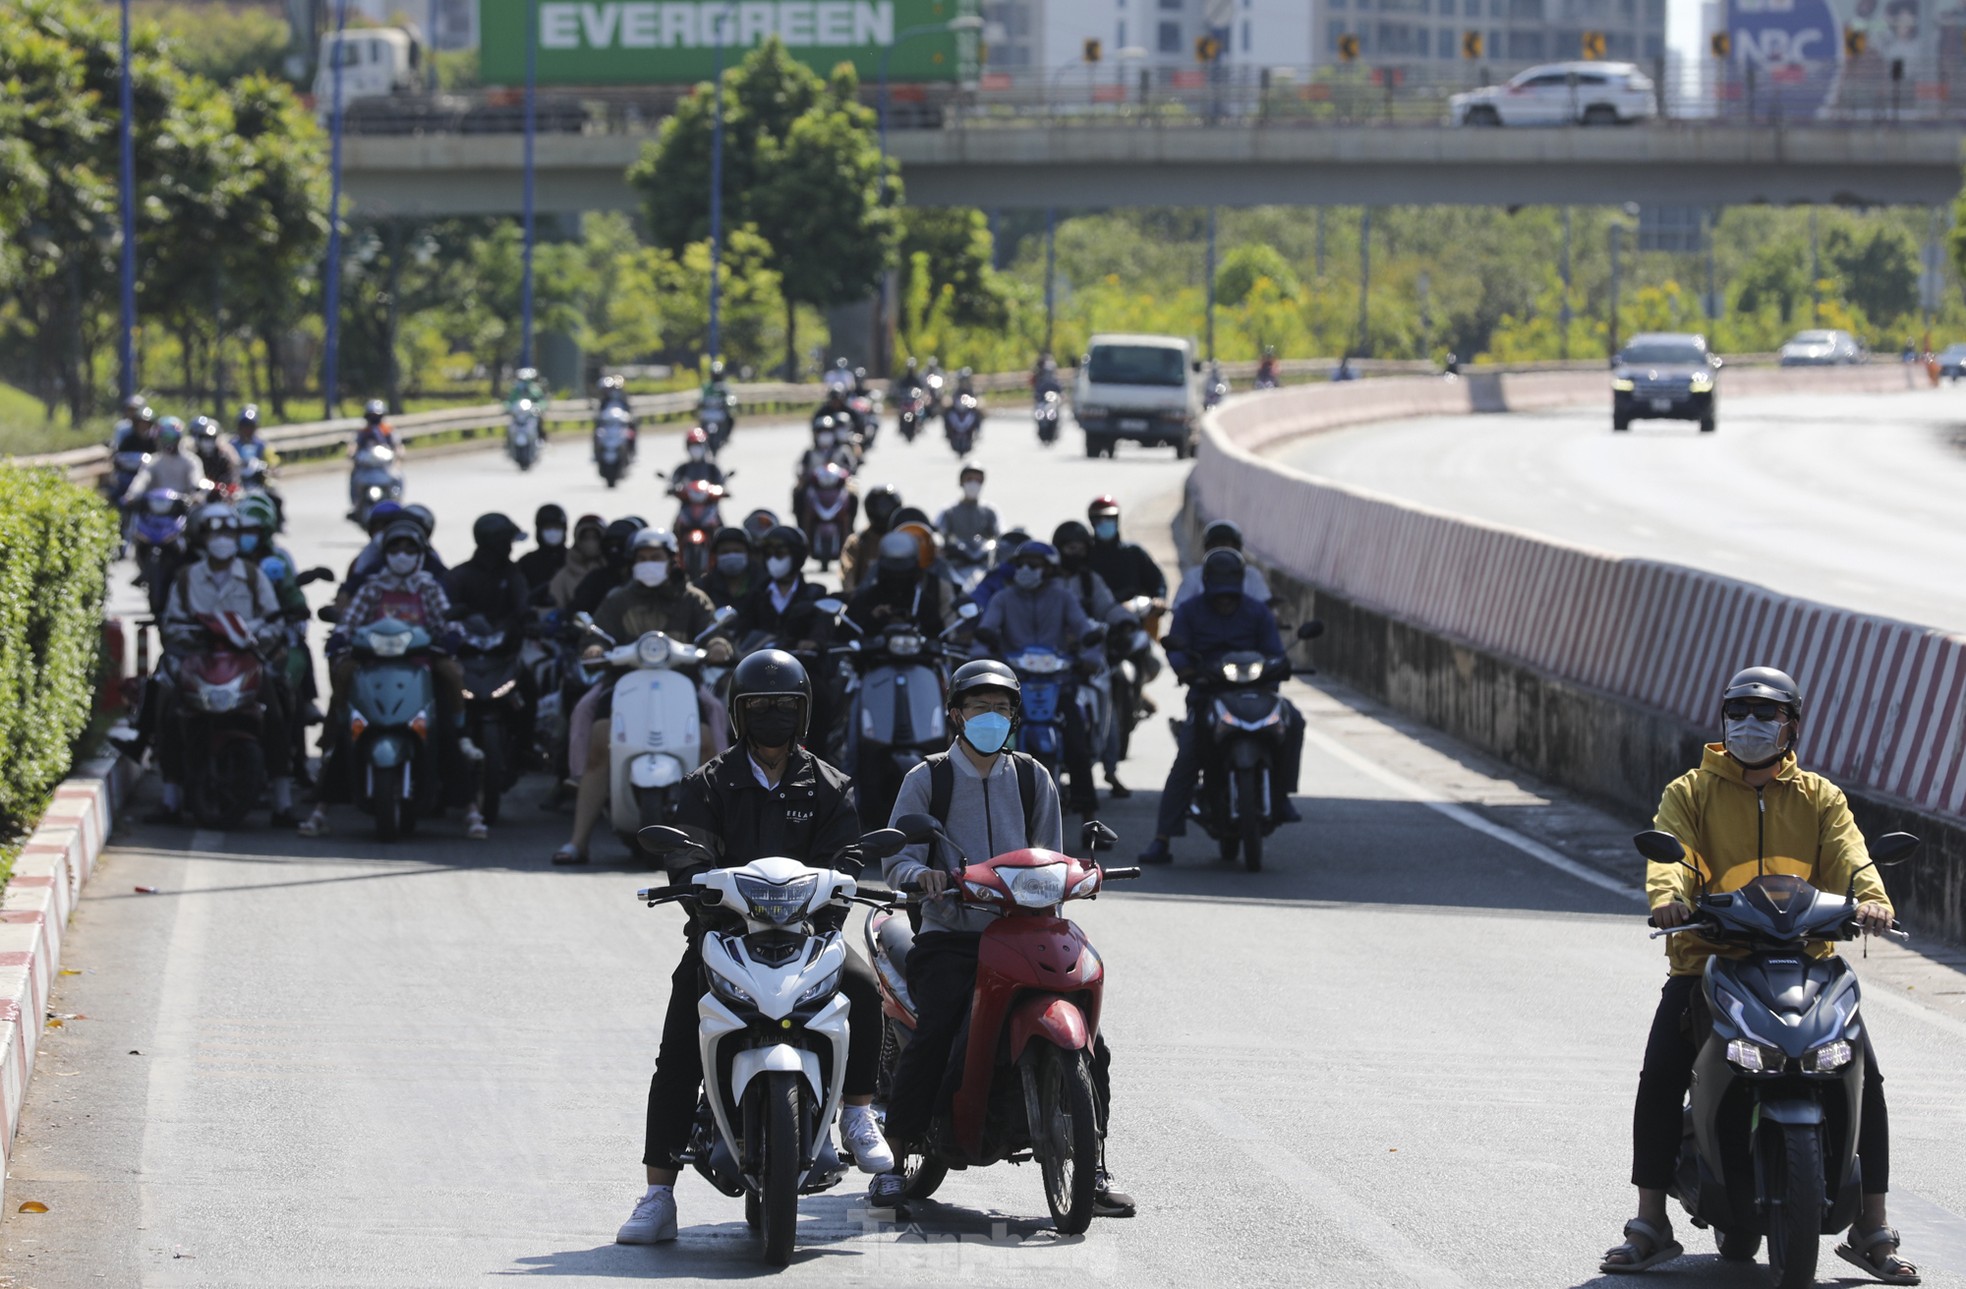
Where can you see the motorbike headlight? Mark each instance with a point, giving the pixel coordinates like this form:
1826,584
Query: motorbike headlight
652,650
1038,888
904,645
728,991
1827,1059
391,644
829,985
776,903
1751,1057
1242,673
1701,383
1623,385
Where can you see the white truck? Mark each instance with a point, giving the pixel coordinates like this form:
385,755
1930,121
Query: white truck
375,63
1138,387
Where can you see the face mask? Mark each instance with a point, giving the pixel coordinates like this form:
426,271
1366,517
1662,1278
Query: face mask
987,733
1754,743
1028,576
496,552
825,441
779,566
770,728
972,490
651,572
697,451
732,564
249,542
404,563
589,546
1106,529
552,536
222,549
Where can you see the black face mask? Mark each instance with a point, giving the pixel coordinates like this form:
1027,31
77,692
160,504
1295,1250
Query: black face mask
770,728
1226,605
895,580
495,552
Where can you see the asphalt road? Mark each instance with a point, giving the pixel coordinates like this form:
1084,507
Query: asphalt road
1401,1055
1852,500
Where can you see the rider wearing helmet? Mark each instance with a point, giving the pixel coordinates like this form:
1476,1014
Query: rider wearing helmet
222,465
1221,620
969,520
765,797
526,387
733,571
900,587
1224,534
1039,609
376,430
585,555
879,506
697,464
909,382
989,800
543,562
175,465
1749,809
1128,569
614,568
489,584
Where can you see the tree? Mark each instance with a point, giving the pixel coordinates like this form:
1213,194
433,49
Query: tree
219,42
1776,279
1879,270
1244,266
952,244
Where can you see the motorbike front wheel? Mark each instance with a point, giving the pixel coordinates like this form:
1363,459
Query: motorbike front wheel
231,785
389,805
492,744
1249,815
1737,1246
778,1166
1795,1215
1066,1137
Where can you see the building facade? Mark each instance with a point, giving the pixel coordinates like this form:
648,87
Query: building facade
1514,33
1025,36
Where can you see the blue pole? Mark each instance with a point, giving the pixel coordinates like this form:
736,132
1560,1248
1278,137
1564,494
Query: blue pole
126,348
1050,273
331,279
1211,284
717,190
532,122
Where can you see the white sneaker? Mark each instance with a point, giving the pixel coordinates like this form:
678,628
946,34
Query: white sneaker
469,750
860,1133
652,1222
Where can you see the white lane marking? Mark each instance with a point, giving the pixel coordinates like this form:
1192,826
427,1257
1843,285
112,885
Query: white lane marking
1395,1259
174,1054
1467,818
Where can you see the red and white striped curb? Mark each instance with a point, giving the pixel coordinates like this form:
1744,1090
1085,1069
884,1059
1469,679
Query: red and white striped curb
1885,695
54,863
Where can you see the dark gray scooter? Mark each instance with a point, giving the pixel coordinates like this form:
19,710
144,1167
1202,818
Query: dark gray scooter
1771,1125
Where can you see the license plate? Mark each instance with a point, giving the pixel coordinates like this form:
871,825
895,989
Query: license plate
1132,423
1661,404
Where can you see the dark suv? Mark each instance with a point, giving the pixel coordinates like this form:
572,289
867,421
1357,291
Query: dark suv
1664,376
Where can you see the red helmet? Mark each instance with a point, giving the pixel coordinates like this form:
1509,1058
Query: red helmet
1102,505
697,435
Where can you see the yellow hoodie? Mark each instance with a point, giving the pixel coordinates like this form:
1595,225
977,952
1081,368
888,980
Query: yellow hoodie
1799,824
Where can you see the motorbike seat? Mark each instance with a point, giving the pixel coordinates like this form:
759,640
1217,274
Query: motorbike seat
897,940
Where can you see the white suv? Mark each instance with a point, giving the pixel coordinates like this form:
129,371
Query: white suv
1561,94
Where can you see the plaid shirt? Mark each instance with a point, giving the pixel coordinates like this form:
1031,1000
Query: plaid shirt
362,609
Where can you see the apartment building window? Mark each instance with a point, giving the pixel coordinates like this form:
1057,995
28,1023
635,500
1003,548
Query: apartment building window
1170,37
1526,45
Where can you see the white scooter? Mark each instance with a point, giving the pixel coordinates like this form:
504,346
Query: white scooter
655,736
774,1025
522,434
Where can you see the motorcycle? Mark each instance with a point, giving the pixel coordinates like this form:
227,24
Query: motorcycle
970,560
391,705
522,434
376,477
911,409
1023,1080
1044,411
1772,1120
865,408
611,446
219,715
1245,735
933,386
894,705
961,423
656,734
1130,658
718,417
827,514
1218,389
1049,689
494,710
1266,377
157,525
698,517
773,1028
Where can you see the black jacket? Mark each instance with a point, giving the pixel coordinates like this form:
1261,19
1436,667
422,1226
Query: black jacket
1128,569
809,816
540,566
919,599
496,590
799,621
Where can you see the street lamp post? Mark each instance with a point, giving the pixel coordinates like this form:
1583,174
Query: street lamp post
331,279
532,130
126,340
1210,285
721,20
1050,273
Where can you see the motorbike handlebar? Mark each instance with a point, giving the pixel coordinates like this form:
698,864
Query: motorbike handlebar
1119,874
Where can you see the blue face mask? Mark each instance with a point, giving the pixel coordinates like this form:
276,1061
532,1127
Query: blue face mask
987,733
1106,529
249,542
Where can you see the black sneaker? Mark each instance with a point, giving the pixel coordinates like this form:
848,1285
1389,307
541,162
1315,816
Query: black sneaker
1157,853
1107,1200
1118,790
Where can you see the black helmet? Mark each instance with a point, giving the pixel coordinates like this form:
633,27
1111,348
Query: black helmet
984,673
1222,572
493,528
1767,684
1223,533
910,515
769,673
792,539
899,553
760,522
248,417
880,505
1071,531
404,529
732,535
549,516
374,410
616,536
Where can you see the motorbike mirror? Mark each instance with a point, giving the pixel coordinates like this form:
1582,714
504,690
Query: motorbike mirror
329,613
661,839
882,842
1310,630
917,828
1195,366
726,613
1096,836
969,613
829,605
1660,847
1893,848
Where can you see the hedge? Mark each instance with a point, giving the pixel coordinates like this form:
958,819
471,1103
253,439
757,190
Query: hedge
56,541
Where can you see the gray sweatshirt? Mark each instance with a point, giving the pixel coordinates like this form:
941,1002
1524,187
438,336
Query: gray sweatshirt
986,818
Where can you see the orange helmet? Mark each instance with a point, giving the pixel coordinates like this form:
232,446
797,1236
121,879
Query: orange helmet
924,541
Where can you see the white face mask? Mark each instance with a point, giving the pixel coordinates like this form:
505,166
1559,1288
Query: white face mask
1754,743
1029,576
972,490
825,440
552,536
779,566
651,572
222,549
404,563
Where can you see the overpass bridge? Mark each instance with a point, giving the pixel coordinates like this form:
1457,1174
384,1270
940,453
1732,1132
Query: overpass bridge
1191,163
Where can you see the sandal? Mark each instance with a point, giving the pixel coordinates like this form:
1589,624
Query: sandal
474,825
568,855
1860,1250
1658,1246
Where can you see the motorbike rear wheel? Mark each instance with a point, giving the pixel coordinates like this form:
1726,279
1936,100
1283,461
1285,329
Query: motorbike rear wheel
1795,1218
778,1166
1249,815
1066,1140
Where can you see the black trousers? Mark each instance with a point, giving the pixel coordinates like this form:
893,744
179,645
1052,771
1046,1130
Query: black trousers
1669,1053
679,1062
942,982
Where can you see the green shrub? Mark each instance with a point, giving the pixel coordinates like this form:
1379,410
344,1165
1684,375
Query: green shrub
56,539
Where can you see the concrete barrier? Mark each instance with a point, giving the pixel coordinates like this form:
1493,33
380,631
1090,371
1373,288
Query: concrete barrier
1591,670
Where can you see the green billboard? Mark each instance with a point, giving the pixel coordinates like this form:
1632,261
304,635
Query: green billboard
668,42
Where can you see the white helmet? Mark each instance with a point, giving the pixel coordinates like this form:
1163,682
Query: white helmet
652,537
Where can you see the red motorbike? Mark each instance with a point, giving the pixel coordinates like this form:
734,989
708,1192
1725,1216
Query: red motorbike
698,517
1025,1087
826,510
219,714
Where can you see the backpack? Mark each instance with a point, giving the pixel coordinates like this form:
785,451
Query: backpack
942,786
